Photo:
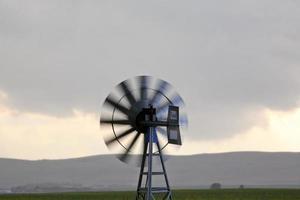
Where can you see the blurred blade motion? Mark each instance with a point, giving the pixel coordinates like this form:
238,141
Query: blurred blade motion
124,157
127,92
117,138
110,101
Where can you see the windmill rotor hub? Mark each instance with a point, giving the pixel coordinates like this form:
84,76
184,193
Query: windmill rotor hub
146,115
135,115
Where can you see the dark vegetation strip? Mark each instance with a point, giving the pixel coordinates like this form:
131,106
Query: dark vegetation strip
223,194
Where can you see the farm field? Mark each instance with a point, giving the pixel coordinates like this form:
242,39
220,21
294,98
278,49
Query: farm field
223,194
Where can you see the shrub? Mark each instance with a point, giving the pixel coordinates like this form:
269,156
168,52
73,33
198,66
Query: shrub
216,186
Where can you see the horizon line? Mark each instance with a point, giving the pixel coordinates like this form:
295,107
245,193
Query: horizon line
175,155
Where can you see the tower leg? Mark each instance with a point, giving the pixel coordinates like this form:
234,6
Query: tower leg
138,195
169,194
149,175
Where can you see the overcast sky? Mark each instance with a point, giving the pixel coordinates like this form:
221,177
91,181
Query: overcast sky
235,63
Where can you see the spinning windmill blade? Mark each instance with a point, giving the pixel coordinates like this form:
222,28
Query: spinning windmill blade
141,112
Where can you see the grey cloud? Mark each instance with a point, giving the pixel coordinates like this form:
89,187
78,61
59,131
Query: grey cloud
227,59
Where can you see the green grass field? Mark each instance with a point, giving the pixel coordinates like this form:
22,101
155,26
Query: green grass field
224,194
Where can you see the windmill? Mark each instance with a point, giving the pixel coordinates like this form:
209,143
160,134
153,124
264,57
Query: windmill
139,120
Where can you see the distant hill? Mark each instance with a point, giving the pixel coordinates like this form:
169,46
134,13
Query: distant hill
106,172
